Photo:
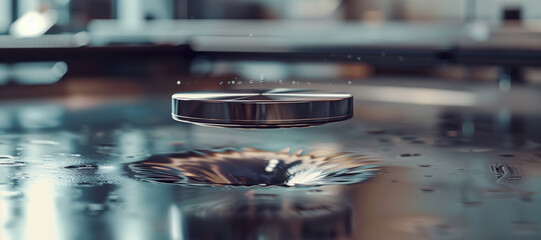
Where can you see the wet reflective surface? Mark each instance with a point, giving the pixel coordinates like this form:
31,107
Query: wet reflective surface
98,173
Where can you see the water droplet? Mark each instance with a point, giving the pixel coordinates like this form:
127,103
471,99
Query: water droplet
501,193
426,189
442,231
20,176
177,143
12,164
113,198
251,35
472,203
409,155
252,167
4,157
408,137
349,56
375,131
82,167
69,154
251,81
349,82
424,165
281,81
106,148
88,184
507,155
107,145
178,82
94,209
526,196
221,83
239,82
359,58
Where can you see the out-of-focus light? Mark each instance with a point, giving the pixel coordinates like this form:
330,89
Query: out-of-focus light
4,74
5,16
41,219
373,18
478,31
108,168
312,8
6,119
269,70
40,116
533,25
175,223
33,24
82,38
419,96
39,72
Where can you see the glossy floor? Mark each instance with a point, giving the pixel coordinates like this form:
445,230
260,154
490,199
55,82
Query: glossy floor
442,173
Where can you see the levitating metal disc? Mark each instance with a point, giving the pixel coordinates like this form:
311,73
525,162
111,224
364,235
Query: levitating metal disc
261,108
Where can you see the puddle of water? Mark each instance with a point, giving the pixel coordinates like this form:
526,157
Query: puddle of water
250,167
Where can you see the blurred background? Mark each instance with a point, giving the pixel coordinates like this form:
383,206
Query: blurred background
66,45
446,96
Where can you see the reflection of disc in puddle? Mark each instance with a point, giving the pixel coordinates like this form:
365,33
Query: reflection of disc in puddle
254,167
269,215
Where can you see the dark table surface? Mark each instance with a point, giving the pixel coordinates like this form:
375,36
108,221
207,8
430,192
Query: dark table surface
462,165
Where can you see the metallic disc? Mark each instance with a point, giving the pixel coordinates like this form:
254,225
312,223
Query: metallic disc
261,108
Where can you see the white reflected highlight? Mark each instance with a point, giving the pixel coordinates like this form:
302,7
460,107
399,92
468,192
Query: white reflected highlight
420,96
175,223
272,164
210,95
309,95
33,24
35,73
41,219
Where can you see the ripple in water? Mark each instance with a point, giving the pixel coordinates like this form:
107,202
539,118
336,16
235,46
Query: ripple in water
250,167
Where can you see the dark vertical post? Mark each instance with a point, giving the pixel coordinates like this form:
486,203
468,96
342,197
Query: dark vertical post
180,8
14,8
